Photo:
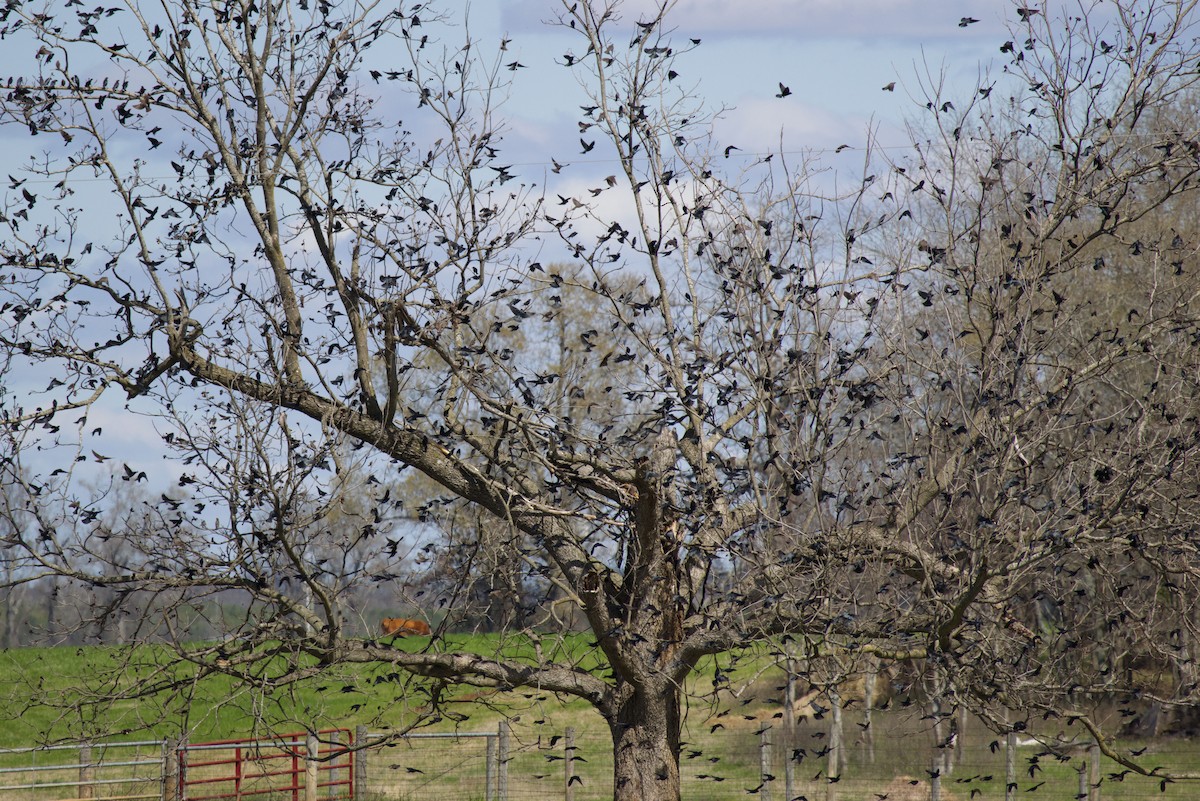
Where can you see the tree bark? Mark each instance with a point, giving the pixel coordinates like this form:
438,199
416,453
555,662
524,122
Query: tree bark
645,730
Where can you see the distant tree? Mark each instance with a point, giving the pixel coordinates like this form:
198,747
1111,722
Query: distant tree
892,423
12,589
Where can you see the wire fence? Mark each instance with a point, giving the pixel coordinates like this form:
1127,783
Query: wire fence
905,759
464,766
886,757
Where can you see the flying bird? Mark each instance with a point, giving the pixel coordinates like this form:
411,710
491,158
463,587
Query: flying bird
784,91
891,87
965,21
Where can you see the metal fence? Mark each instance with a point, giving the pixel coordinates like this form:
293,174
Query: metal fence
126,771
306,766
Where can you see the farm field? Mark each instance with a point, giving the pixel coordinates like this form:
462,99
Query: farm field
42,696
41,701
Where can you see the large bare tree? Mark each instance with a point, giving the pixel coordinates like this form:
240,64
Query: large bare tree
894,421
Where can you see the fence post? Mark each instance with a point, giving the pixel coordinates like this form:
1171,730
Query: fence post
960,738
87,772
1094,771
870,679
789,767
569,763
170,769
312,750
489,793
833,770
1010,766
359,755
337,749
764,763
295,771
502,761
238,768
837,738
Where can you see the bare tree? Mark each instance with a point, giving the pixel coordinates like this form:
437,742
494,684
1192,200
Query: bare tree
886,422
13,601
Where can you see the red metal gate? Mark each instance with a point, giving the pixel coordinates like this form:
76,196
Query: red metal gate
310,767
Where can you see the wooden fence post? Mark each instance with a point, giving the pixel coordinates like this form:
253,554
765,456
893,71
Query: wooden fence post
505,733
789,767
1010,767
1093,772
569,763
337,750
87,772
960,736
870,680
359,755
312,748
789,726
490,779
837,759
765,777
170,769
937,757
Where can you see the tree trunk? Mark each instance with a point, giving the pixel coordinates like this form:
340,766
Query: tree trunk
645,731
9,638
51,607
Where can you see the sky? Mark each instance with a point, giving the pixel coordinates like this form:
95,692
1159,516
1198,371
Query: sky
834,55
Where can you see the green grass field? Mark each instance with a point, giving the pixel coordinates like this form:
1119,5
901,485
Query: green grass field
62,694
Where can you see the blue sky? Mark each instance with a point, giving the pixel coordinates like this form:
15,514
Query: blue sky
835,55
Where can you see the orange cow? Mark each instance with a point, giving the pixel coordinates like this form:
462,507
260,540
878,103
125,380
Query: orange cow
402,627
